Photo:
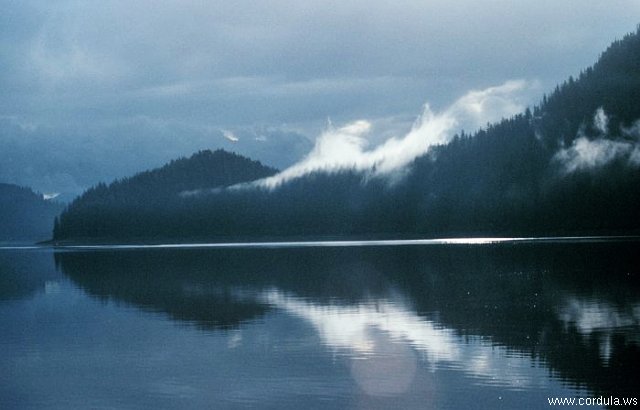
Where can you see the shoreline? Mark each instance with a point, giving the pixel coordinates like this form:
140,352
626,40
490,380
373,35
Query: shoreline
314,242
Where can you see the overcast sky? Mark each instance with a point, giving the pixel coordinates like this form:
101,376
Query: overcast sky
91,90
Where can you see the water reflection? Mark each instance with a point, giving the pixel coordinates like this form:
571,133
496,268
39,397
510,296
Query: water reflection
503,315
601,321
369,329
26,272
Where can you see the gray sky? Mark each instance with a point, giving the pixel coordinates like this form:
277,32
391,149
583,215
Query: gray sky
92,90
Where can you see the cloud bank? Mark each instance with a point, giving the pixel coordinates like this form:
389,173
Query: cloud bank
346,147
111,88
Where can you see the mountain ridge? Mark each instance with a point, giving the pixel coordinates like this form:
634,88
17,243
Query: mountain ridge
567,166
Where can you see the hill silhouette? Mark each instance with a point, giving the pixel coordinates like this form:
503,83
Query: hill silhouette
570,165
25,215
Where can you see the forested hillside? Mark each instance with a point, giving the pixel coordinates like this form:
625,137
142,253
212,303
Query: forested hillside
25,215
570,165
146,202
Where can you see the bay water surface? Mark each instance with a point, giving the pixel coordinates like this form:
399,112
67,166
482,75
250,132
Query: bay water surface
446,324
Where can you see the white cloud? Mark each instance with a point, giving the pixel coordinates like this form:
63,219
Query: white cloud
52,195
585,153
601,121
91,66
478,107
347,147
230,136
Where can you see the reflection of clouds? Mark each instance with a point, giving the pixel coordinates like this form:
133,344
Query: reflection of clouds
370,329
389,370
52,286
234,340
589,316
350,327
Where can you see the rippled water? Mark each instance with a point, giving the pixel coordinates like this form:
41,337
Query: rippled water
468,324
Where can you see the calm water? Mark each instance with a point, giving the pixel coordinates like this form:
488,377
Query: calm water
425,326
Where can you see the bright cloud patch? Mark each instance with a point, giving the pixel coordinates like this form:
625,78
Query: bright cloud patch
347,147
230,136
585,153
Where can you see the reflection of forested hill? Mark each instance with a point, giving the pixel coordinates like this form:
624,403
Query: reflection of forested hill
25,215
572,306
25,272
569,165
171,283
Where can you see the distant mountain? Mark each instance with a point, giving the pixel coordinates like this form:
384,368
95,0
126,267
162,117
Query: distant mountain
25,216
570,165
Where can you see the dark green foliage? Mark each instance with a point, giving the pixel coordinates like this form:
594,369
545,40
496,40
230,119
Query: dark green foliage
613,83
25,215
145,204
503,180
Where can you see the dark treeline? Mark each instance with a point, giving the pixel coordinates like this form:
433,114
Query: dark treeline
505,179
149,203
24,214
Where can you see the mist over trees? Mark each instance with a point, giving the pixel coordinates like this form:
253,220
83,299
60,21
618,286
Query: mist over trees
570,165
